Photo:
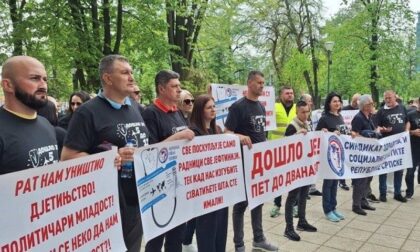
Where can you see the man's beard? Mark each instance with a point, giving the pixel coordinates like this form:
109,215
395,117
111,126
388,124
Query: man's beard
31,100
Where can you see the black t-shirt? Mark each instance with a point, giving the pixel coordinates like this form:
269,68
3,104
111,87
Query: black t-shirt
64,121
395,117
96,123
247,117
414,119
25,143
360,122
332,123
162,124
290,130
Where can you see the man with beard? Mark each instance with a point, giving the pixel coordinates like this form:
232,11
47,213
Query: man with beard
285,112
26,140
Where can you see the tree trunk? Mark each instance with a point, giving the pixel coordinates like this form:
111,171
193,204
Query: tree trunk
16,16
313,90
107,28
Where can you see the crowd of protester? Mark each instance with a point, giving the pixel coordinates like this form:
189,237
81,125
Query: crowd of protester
92,124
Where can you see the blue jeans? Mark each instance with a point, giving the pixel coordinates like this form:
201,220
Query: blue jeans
329,195
398,175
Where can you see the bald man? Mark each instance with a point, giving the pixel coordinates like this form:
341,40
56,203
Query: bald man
26,140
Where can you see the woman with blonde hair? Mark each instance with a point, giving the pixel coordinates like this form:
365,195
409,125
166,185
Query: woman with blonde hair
186,104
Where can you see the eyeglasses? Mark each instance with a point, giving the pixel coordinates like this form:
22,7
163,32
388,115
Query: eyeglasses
137,92
188,101
75,103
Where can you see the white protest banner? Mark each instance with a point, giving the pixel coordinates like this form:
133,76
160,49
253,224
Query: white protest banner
66,206
344,157
180,180
225,95
275,167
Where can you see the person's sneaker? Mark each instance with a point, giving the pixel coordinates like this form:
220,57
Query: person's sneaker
382,198
291,234
338,214
189,248
240,249
332,217
295,212
400,198
372,198
409,197
275,212
315,193
264,246
305,226
368,207
344,186
359,211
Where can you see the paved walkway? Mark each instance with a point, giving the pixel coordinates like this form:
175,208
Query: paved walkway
394,226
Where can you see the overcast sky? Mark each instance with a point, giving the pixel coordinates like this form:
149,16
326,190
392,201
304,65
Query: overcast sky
332,6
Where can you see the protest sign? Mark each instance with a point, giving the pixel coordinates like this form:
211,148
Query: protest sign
225,95
344,157
275,167
66,206
180,180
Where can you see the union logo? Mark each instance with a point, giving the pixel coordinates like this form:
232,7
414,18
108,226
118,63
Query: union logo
163,155
336,155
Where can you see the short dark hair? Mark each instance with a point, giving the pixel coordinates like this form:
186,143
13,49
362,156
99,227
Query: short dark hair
328,100
107,62
253,73
163,77
285,87
301,103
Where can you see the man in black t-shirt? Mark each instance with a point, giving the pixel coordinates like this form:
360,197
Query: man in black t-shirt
165,123
392,117
26,140
414,119
246,119
110,119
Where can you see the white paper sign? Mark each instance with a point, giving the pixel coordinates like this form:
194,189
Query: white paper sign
180,180
67,206
225,95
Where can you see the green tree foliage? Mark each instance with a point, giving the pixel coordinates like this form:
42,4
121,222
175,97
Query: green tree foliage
374,47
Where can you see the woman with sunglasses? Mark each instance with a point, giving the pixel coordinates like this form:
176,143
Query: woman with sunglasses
76,99
211,228
186,104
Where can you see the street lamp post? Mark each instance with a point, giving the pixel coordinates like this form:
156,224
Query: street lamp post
329,47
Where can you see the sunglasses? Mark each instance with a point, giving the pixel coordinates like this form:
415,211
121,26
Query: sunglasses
137,92
188,101
75,103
